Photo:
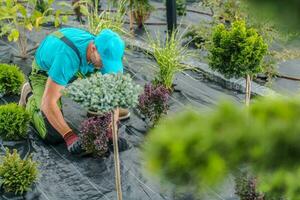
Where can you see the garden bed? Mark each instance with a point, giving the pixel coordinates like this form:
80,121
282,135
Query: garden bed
64,176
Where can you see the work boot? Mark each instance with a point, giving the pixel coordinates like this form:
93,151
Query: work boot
25,94
123,114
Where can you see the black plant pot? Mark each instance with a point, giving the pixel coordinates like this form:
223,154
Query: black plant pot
93,114
33,193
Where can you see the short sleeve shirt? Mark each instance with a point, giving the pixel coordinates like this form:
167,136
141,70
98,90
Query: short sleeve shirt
59,60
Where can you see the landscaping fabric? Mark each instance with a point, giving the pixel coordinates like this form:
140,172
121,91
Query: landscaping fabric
68,177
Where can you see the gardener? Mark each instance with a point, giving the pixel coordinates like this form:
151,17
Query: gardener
62,57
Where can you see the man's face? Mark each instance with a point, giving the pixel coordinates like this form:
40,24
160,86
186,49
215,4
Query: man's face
95,58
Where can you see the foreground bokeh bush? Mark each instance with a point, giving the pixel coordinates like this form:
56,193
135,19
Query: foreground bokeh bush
199,149
14,122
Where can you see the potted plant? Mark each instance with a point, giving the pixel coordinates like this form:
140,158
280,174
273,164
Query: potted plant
97,21
14,122
11,79
95,134
169,56
141,10
181,7
237,51
17,175
153,102
246,186
106,93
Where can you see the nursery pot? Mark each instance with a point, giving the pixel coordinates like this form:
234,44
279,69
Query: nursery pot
91,113
140,17
31,194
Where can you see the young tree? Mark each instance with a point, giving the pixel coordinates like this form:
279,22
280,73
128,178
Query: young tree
237,52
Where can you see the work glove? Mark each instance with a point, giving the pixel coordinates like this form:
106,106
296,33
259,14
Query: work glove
73,143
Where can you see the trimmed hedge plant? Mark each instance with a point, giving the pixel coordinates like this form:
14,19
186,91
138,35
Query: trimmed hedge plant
11,79
195,149
14,122
237,52
17,175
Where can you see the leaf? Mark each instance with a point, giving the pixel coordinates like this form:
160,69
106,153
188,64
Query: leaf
14,35
22,10
38,21
29,26
65,19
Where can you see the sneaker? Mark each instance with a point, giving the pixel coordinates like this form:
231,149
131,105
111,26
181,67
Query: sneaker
122,144
123,114
25,94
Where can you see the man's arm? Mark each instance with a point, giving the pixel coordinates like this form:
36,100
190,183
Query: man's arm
49,106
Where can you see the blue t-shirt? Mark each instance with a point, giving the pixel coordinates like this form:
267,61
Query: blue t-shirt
59,60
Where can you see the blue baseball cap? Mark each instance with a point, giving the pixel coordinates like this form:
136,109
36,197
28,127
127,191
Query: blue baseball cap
111,48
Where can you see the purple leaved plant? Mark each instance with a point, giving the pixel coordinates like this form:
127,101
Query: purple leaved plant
154,102
95,134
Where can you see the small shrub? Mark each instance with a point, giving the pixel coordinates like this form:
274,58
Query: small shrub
197,35
169,56
154,102
14,122
97,21
246,187
141,11
17,175
104,93
237,52
181,7
11,79
95,134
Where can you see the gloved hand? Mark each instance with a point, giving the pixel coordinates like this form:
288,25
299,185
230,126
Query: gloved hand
73,143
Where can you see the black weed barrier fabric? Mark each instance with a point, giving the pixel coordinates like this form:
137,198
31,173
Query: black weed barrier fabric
67,177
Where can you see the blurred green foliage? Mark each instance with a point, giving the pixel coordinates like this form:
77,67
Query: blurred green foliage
193,149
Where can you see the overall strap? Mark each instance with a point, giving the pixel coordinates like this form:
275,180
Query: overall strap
68,42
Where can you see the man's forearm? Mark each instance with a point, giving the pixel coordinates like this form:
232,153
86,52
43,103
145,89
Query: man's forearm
55,117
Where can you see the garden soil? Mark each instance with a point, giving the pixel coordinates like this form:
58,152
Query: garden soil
68,177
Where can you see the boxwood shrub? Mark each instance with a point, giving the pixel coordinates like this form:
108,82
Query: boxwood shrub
11,79
17,175
14,122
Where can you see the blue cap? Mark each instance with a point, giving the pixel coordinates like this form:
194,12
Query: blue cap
111,49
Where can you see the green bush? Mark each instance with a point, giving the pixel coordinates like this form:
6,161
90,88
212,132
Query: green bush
193,149
14,122
11,79
169,56
104,93
16,174
181,7
245,186
237,51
